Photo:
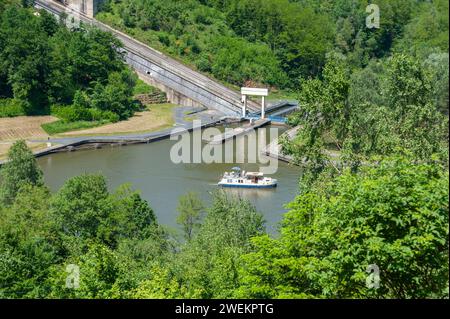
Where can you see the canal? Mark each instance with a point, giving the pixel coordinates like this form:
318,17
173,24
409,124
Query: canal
149,169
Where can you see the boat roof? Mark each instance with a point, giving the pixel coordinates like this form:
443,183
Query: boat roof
254,174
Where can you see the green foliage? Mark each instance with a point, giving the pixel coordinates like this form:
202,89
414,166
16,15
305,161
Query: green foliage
143,88
115,96
82,205
10,108
427,30
363,93
394,215
378,111
27,247
299,36
237,61
207,265
361,44
72,113
100,270
111,237
63,126
43,63
161,286
23,62
20,170
202,36
190,208
78,113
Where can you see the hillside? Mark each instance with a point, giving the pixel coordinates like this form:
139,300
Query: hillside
277,42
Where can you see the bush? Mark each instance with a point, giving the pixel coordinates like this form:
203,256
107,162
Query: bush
108,116
115,96
71,113
11,108
203,63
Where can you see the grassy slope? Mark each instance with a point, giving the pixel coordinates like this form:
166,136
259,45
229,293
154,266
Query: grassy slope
61,126
157,117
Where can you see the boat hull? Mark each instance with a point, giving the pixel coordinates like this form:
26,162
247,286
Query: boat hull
247,186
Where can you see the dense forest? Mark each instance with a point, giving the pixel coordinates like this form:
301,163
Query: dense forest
76,74
279,42
373,149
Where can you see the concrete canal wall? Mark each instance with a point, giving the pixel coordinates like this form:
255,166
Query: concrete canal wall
182,84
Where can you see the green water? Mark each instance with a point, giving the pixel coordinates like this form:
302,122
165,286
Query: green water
148,168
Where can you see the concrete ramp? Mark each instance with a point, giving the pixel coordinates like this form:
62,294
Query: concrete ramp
230,134
183,85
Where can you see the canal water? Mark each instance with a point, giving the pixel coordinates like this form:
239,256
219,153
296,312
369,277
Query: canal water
149,169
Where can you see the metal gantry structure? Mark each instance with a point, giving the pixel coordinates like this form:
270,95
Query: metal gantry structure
245,92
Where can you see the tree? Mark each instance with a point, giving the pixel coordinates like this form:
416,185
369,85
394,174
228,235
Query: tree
208,264
43,64
130,217
417,121
28,247
324,115
99,271
190,208
298,35
393,214
85,211
81,205
379,110
20,169
23,57
115,96
427,30
237,61
162,285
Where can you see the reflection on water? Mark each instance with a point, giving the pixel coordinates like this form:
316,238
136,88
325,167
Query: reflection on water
148,167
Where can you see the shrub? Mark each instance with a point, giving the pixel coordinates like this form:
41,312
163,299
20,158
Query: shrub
11,108
109,116
71,113
203,63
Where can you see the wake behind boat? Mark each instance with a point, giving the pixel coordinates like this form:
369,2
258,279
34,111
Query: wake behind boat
244,179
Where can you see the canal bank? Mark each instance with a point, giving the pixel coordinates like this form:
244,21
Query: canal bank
69,144
149,168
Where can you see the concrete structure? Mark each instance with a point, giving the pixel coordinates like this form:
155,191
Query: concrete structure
87,7
255,92
182,85
230,134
